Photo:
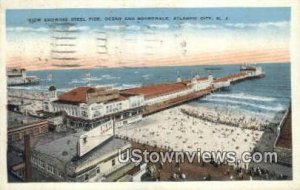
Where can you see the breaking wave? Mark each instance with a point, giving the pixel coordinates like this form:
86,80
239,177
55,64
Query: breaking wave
126,86
275,108
244,96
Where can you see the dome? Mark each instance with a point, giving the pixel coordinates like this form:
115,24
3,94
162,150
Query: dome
52,88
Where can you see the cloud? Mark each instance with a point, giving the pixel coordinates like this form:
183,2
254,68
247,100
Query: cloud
21,29
282,25
26,29
133,27
199,26
159,26
114,27
80,28
262,25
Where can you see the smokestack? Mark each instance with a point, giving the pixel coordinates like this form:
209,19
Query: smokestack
28,168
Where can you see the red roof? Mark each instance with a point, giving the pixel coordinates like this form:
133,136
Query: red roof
77,95
156,89
226,78
198,79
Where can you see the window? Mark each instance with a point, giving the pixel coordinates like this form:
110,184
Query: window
50,169
86,177
34,160
36,131
16,136
9,138
59,173
84,139
113,162
42,164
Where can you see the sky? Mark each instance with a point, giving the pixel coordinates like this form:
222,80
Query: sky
128,37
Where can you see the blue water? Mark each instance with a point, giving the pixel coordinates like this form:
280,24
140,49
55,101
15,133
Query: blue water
268,95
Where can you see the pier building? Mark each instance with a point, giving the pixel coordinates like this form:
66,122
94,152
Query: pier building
90,107
18,76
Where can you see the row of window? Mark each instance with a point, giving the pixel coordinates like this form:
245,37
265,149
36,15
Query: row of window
88,125
88,175
47,167
32,131
114,108
71,111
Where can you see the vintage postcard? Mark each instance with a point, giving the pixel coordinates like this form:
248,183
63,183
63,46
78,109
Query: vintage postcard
148,94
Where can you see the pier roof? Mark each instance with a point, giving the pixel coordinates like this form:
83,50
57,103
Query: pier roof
77,95
156,89
83,94
226,78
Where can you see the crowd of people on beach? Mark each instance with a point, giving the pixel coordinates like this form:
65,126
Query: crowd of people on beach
226,117
176,130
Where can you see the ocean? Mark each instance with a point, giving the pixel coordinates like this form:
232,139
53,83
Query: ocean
267,96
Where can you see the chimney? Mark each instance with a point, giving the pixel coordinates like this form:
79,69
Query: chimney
28,168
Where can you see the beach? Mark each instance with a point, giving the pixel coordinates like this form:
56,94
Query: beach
175,130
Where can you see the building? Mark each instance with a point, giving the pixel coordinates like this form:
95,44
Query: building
252,70
161,96
89,107
15,166
59,159
20,125
158,93
18,76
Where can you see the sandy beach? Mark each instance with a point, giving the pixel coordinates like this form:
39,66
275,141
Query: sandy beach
175,130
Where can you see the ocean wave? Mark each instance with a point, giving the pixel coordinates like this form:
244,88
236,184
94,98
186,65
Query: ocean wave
76,81
245,97
33,88
126,86
275,108
109,77
147,76
94,78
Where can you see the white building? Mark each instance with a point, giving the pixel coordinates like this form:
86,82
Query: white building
158,93
89,107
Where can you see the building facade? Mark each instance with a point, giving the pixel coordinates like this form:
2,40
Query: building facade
64,164
20,125
89,107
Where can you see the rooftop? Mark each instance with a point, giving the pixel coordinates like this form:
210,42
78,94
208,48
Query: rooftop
156,89
43,139
85,94
17,120
14,158
226,78
76,95
65,149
